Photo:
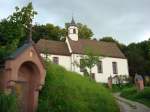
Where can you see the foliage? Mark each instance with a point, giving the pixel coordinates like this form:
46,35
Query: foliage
8,103
13,30
23,16
140,96
10,36
84,31
108,39
66,91
51,32
139,57
89,60
118,88
48,31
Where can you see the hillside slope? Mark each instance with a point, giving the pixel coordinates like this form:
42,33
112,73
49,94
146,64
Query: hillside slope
66,91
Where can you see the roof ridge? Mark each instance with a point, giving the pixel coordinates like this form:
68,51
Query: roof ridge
98,41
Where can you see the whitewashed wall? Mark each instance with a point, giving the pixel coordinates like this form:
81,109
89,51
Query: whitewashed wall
122,67
68,62
64,61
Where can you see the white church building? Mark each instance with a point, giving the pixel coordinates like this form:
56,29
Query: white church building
112,60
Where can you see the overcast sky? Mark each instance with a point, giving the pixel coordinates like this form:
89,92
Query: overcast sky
126,20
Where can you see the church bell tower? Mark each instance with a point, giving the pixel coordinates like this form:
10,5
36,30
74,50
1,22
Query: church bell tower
73,30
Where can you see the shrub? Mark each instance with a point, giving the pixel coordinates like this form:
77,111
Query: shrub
66,91
141,96
144,94
7,103
128,92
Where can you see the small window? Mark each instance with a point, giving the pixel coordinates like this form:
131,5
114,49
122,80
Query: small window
81,65
99,67
93,76
74,31
115,70
56,60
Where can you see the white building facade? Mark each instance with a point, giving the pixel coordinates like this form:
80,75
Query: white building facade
68,54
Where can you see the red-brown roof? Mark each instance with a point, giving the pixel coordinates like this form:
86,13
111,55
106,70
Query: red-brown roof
109,49
53,47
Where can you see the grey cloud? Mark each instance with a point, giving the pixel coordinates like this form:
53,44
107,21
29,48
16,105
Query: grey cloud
126,20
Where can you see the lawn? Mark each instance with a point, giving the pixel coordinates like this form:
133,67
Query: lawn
132,94
66,91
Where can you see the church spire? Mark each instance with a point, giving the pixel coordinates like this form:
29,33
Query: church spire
73,22
73,30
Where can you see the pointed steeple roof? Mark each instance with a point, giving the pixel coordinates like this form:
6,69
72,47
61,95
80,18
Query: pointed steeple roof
73,22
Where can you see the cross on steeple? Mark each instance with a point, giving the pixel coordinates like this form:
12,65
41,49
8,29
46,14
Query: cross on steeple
30,33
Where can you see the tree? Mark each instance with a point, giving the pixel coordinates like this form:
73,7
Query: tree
138,58
84,31
108,39
48,31
89,60
52,32
13,29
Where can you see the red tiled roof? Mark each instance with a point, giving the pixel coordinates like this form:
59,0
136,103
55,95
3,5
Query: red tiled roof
53,47
109,49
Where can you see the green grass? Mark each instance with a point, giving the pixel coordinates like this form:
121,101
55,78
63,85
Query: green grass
118,88
141,96
66,91
8,103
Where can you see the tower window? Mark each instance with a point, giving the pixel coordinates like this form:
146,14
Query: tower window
74,31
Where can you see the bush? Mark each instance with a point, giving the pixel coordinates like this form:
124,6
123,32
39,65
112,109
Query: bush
128,92
66,91
141,96
7,103
118,87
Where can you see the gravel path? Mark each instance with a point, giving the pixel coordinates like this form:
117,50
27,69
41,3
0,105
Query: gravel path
130,106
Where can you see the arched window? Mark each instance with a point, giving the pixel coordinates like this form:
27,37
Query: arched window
74,31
